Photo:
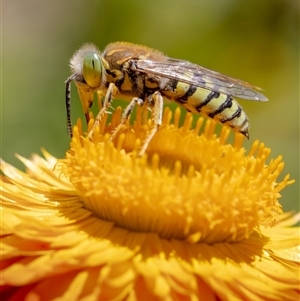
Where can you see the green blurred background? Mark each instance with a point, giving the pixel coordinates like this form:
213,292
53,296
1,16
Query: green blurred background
257,41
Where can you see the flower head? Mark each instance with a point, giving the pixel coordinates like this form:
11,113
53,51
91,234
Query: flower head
193,219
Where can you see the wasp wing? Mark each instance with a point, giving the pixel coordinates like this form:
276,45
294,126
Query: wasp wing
193,74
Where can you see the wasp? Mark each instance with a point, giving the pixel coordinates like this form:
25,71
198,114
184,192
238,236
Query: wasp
145,77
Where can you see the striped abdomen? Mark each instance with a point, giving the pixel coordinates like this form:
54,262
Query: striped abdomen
220,107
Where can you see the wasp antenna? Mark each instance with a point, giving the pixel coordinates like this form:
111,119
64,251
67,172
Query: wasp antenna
68,104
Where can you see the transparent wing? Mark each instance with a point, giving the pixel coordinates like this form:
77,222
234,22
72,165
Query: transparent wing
193,74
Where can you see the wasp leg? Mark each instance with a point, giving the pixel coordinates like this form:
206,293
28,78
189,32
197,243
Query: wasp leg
157,113
110,94
126,115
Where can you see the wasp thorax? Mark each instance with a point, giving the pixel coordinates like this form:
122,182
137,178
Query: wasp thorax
92,69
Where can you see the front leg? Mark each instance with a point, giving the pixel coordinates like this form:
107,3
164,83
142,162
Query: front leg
109,96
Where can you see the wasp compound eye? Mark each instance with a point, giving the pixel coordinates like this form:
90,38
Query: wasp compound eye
92,69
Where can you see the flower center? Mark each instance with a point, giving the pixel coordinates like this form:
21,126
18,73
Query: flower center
190,184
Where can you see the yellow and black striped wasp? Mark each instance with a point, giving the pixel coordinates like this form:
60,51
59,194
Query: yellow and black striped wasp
145,76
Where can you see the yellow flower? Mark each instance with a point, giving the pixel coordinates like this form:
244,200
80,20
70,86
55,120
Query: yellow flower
193,219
